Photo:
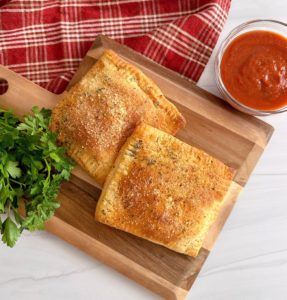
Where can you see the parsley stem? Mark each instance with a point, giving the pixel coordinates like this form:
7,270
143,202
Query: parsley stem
17,182
9,206
48,168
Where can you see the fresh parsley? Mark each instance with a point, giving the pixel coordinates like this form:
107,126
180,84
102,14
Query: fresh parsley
32,167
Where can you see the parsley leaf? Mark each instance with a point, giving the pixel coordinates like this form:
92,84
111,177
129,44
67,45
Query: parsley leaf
13,169
10,232
32,166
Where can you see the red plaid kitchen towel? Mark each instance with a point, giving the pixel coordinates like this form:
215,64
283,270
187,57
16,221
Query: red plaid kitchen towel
46,40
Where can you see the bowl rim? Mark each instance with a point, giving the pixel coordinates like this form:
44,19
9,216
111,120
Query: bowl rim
235,32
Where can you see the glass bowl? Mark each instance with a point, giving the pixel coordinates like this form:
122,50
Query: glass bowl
266,25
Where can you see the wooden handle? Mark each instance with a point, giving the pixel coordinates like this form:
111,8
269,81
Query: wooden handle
23,94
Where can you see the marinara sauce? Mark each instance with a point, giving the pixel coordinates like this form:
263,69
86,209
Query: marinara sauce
254,70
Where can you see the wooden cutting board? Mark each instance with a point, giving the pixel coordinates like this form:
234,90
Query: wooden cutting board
212,125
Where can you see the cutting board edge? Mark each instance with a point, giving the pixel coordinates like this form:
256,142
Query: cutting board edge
144,276
115,260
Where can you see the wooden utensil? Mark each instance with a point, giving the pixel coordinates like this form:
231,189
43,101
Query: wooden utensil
212,125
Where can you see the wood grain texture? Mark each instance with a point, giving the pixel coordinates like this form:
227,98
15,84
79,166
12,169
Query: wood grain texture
23,94
235,138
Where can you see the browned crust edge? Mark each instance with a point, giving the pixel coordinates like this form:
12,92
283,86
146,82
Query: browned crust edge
151,89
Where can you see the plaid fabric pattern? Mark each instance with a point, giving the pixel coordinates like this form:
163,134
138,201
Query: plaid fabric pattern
46,40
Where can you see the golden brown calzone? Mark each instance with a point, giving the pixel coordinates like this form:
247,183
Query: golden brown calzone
95,117
164,190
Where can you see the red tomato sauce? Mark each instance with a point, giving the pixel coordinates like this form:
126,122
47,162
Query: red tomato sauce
254,70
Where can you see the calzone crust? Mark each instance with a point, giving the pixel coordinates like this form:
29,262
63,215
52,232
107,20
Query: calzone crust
164,190
96,116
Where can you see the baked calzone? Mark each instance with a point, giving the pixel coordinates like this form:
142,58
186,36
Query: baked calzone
164,190
96,116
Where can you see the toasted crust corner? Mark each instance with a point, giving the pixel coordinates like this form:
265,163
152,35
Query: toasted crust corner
177,121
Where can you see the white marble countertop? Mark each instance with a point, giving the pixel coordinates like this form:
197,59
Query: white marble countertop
249,260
